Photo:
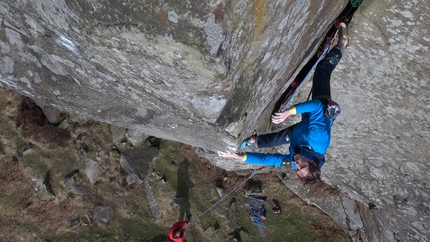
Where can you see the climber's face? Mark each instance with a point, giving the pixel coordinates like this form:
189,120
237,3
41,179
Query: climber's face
302,164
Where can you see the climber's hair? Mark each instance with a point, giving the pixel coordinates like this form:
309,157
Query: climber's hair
314,174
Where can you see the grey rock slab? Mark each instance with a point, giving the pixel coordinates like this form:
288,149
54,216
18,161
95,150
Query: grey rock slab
118,133
135,137
54,115
92,169
232,216
153,206
79,190
136,162
64,124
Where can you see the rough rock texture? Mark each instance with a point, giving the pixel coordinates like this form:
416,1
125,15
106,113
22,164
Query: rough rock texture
54,115
92,169
152,201
193,72
136,162
208,74
379,151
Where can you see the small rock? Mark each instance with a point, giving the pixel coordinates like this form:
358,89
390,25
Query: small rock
232,216
28,152
135,137
27,149
118,133
53,115
69,181
92,170
220,191
103,213
130,180
64,124
119,193
75,222
78,190
173,16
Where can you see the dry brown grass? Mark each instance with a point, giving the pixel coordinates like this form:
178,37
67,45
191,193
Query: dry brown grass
50,215
10,228
11,173
2,146
45,215
219,13
162,17
35,126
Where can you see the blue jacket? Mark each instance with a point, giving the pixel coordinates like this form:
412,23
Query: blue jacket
312,132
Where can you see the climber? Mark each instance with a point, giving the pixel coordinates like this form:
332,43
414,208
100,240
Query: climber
177,232
310,138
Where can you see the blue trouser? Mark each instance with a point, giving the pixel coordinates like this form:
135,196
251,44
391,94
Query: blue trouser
320,90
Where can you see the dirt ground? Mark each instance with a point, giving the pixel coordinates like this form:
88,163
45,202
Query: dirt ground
184,185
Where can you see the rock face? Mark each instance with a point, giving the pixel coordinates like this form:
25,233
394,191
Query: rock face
193,72
380,143
209,73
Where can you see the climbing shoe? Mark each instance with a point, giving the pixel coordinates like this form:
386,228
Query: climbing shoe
245,143
342,31
342,36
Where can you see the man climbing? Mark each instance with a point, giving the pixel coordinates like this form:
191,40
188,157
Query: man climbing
177,232
310,138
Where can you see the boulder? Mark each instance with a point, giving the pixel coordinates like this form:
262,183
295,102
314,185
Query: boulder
69,179
136,161
54,115
135,137
91,168
118,133
153,206
232,216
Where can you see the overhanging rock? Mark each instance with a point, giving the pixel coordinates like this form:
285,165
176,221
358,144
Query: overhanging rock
194,72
